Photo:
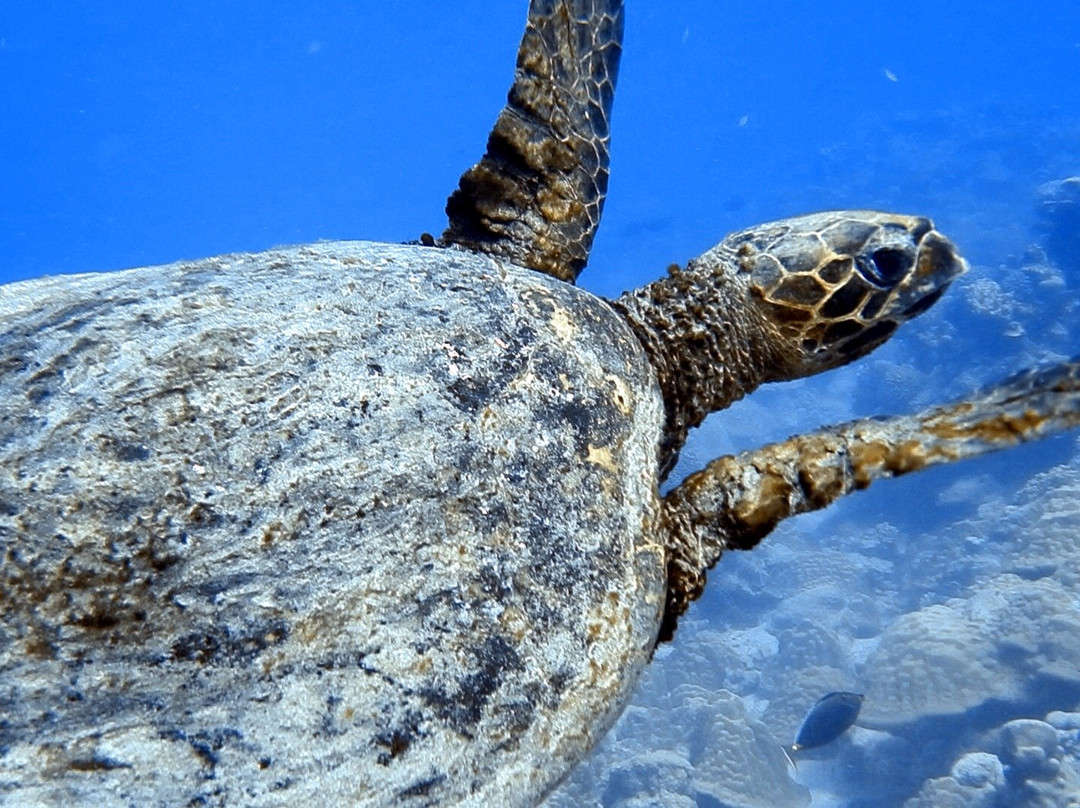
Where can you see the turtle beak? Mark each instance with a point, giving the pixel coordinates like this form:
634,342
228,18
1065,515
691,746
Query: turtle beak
937,264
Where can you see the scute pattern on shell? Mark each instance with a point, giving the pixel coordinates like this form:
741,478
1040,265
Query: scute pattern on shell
347,519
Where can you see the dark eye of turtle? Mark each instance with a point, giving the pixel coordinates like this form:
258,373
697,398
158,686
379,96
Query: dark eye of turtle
886,266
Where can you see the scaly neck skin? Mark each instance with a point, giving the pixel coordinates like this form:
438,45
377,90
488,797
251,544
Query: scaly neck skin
704,342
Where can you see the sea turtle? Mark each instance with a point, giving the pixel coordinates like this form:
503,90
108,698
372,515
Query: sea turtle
381,524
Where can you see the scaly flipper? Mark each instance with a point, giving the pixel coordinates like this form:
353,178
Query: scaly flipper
536,196
735,501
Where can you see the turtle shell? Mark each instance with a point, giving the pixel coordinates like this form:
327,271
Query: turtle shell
350,520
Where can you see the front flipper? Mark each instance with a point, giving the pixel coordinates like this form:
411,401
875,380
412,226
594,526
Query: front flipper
735,501
536,196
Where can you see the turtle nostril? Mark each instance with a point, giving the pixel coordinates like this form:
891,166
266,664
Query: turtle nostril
890,265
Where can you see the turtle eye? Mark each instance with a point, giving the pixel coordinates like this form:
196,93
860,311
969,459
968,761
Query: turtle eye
885,267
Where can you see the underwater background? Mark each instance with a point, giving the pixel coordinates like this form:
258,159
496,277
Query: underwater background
134,135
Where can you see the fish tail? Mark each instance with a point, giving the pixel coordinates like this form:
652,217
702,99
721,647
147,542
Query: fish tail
789,753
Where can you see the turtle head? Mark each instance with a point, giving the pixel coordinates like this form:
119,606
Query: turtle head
781,301
830,287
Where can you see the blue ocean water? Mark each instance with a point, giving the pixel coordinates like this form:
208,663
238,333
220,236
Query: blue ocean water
131,137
